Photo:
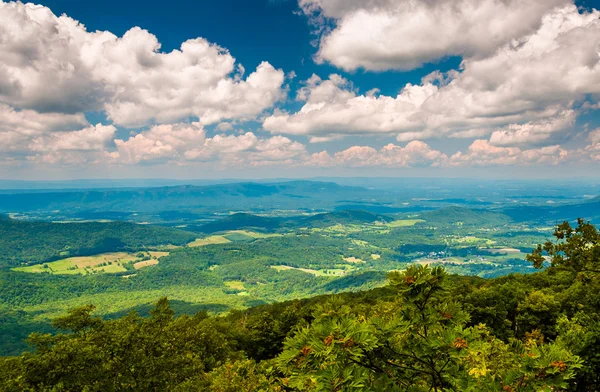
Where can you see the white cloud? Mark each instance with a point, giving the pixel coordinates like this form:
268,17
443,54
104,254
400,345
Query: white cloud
93,138
415,153
482,153
535,132
187,143
18,128
333,108
526,86
387,34
248,149
53,64
161,142
595,136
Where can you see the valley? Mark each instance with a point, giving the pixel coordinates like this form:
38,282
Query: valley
223,259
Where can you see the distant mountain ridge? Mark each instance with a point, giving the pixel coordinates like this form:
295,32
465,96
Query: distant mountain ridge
184,197
589,210
467,216
249,221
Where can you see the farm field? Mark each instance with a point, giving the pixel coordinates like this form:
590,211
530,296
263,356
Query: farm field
404,222
214,239
102,263
231,236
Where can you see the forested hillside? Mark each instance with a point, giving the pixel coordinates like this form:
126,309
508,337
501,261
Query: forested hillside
424,331
25,242
249,221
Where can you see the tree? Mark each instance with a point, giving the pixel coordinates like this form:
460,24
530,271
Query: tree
575,249
420,343
132,353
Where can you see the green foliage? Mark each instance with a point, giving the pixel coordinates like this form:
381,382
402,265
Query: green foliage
426,330
37,242
421,344
576,249
127,354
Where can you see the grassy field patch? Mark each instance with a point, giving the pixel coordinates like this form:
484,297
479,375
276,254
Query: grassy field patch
322,272
405,222
472,240
145,263
239,236
353,260
235,284
503,250
102,263
212,240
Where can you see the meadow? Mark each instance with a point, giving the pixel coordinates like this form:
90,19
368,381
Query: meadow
96,264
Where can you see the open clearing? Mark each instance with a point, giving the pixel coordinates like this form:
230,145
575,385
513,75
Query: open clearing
323,272
503,250
235,284
472,240
212,240
102,263
404,222
353,260
448,260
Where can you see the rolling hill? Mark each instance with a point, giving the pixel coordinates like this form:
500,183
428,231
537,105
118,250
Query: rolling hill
347,217
34,242
465,216
249,221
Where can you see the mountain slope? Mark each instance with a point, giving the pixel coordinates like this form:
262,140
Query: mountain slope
250,221
37,242
346,217
241,221
465,216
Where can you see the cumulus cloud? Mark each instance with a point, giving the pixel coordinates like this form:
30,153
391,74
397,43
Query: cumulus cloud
387,34
414,154
168,141
526,91
482,153
53,64
44,138
535,132
248,149
188,143
332,107
93,138
18,128
595,136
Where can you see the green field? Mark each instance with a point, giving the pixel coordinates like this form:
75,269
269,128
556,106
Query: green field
235,284
404,222
102,263
214,239
322,272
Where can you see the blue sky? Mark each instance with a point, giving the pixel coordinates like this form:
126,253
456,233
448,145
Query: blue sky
494,88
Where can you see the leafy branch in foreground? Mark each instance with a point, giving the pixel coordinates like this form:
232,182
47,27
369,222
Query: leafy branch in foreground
420,344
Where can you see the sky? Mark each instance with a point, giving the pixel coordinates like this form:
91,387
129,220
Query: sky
299,88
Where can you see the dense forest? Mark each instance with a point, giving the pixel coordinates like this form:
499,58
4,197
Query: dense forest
425,331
